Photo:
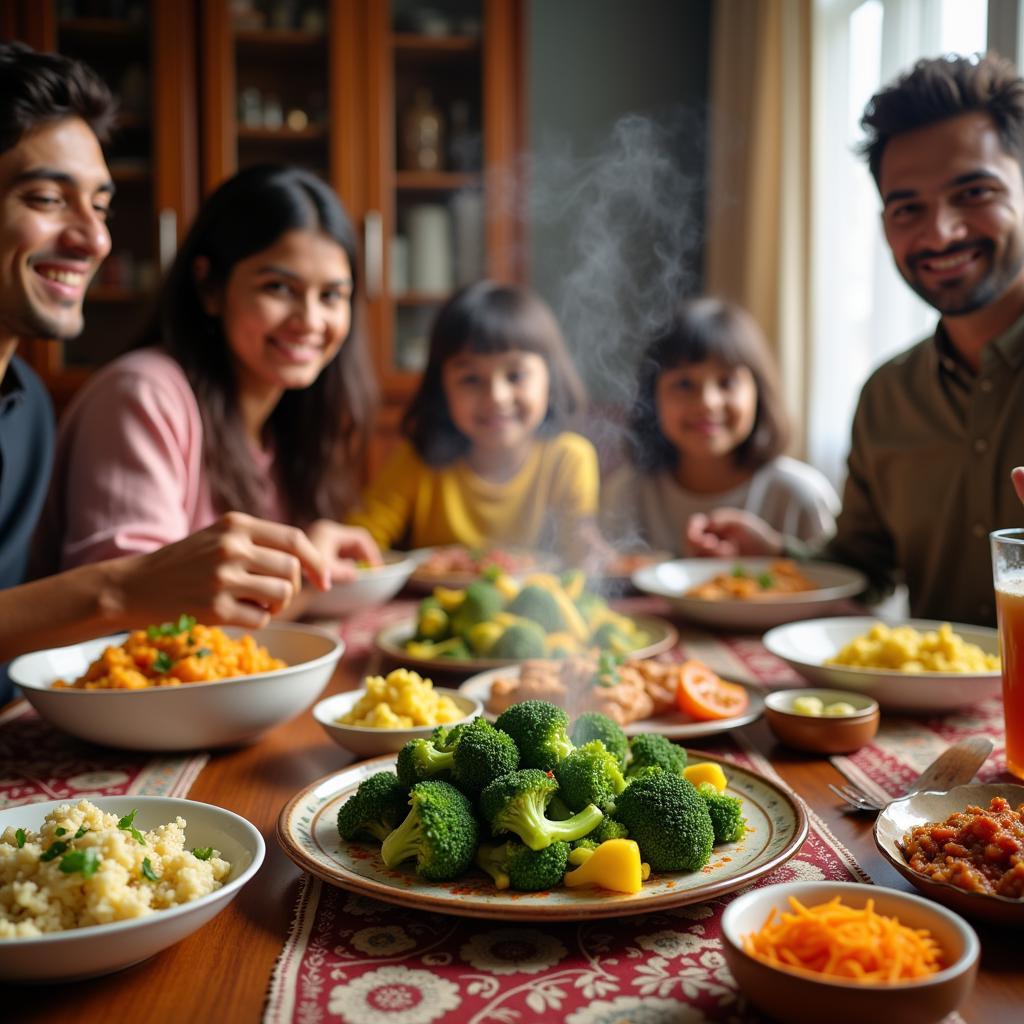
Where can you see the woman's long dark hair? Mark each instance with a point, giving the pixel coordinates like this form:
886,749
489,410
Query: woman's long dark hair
708,328
318,434
487,317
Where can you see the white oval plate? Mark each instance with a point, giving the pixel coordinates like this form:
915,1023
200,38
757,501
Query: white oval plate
307,830
806,646
673,724
671,580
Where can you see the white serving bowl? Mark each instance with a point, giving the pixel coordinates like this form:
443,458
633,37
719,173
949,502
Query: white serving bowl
806,646
188,717
371,587
799,999
834,584
367,742
100,949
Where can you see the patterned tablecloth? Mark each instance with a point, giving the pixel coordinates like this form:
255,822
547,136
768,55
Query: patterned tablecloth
352,959
39,762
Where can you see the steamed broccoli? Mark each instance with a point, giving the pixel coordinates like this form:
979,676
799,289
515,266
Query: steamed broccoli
439,831
423,759
483,601
521,640
376,807
516,803
589,775
652,750
610,636
541,732
726,814
608,829
483,636
538,605
432,622
514,865
481,755
446,737
592,725
453,647
669,821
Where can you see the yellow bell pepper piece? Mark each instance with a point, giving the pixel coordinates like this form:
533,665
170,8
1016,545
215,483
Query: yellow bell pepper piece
561,641
614,865
571,617
706,771
573,583
507,586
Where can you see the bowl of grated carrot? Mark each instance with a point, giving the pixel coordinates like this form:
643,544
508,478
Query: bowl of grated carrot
806,952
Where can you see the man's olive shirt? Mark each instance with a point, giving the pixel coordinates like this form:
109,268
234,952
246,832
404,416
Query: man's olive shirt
929,474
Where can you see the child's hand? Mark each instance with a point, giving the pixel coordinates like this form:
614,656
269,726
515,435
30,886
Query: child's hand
1017,476
728,532
343,546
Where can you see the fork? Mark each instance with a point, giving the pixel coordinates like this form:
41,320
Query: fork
953,767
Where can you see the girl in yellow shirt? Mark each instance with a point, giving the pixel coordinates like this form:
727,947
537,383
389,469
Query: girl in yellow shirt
486,459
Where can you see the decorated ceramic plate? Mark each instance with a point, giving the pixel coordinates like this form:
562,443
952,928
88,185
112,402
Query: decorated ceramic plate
673,724
392,640
307,830
455,566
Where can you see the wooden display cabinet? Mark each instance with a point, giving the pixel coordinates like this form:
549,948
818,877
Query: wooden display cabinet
145,51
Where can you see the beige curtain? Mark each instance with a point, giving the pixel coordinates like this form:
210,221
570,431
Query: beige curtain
759,177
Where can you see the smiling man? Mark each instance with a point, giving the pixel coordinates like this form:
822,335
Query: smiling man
938,428
55,190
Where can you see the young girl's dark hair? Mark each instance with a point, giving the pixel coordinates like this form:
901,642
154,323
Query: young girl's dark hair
486,318
318,434
701,329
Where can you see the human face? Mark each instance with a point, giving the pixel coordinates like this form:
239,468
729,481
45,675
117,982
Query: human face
286,311
497,400
954,213
706,409
55,191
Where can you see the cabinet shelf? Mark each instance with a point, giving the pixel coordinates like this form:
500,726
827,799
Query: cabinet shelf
440,46
311,133
261,40
435,181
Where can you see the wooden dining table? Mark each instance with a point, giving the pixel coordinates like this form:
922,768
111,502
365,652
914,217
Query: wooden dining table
221,973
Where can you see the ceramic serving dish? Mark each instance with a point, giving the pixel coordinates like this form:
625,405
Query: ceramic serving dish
822,734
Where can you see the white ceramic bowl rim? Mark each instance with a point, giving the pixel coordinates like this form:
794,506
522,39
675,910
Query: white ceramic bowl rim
97,931
776,699
475,709
337,648
971,951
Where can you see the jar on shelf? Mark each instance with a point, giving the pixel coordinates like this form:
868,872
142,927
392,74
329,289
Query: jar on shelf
422,135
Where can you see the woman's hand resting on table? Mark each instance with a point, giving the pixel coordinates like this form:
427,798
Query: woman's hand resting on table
342,546
728,533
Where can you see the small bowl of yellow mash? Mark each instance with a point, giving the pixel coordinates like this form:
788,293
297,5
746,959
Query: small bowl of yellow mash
388,711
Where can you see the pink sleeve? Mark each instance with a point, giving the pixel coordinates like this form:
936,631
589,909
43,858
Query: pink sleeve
131,455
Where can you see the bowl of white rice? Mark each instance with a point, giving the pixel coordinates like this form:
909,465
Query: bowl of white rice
93,886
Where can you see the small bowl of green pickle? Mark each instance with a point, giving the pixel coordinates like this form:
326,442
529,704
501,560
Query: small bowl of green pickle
822,721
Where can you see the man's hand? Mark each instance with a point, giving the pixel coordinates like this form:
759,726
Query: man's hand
342,546
729,532
239,571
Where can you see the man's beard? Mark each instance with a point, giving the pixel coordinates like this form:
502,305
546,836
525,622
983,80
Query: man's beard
984,293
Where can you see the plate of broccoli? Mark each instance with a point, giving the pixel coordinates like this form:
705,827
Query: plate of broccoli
498,821
500,620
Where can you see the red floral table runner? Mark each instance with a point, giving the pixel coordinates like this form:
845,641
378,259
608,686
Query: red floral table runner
39,762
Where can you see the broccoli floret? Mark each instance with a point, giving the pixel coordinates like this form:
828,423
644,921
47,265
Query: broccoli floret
589,775
422,759
592,725
374,809
483,601
541,732
538,605
439,831
669,821
558,810
516,803
514,865
726,814
446,737
481,755
610,637
590,605
608,829
650,750
521,640
432,622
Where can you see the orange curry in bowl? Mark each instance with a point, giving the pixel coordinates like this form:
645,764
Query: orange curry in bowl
741,584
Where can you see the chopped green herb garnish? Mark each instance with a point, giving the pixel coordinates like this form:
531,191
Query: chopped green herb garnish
86,861
162,662
183,625
739,572
81,832
766,580
202,852
20,837
126,824
607,669
55,850
191,640
148,872
60,831
203,652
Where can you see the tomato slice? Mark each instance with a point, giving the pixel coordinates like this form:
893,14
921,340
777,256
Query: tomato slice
703,696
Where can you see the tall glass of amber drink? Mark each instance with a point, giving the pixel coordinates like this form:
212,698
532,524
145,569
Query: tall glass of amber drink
1008,575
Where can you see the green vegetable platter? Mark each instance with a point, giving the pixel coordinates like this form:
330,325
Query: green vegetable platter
308,831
